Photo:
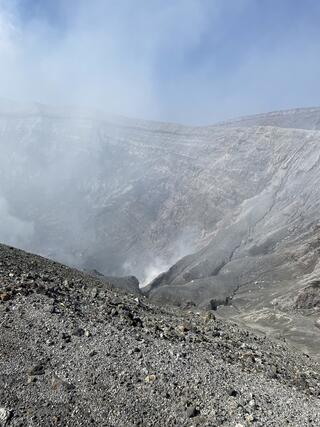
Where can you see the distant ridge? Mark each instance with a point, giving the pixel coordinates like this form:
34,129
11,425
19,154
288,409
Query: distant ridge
299,118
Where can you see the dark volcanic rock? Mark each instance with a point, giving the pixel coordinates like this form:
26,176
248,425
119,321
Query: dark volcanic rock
129,362
309,297
129,283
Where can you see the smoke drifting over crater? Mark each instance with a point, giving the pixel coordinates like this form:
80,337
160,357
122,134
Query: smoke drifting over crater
88,189
13,230
83,185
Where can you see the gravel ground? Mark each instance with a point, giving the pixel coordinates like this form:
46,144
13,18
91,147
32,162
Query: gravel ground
76,352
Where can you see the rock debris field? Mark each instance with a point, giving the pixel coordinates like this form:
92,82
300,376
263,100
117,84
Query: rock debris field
74,351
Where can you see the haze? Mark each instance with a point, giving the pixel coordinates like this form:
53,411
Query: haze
189,61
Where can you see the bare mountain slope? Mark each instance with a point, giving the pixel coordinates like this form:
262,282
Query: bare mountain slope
75,352
266,251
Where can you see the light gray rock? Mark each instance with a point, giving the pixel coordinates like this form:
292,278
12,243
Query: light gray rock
4,416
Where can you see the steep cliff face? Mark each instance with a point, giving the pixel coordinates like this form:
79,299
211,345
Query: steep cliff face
262,252
277,180
237,203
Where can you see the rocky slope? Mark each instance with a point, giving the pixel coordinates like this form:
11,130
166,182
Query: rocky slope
240,200
76,352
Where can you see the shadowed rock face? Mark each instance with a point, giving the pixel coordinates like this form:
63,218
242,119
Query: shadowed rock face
128,283
309,297
237,203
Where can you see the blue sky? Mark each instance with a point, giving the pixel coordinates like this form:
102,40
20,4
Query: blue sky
191,61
